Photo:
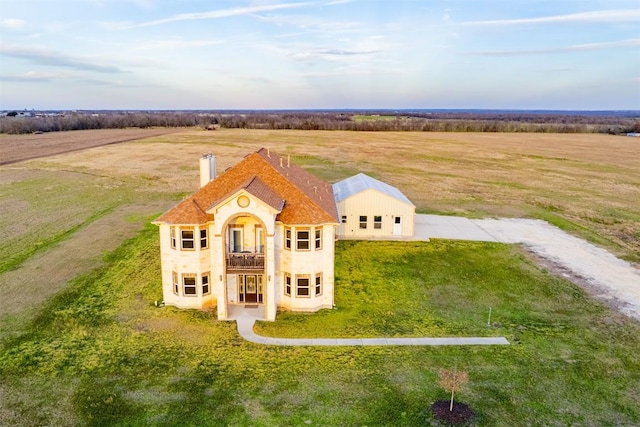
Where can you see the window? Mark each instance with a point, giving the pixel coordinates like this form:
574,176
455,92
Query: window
287,284
259,240
236,237
318,238
173,237
205,284
241,288
318,284
287,238
189,285
302,288
187,239
377,222
344,219
363,222
203,239
302,240
176,285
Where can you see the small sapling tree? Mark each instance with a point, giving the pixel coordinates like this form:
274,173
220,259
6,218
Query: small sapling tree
452,381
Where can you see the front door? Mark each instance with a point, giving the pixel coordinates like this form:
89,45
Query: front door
397,226
250,288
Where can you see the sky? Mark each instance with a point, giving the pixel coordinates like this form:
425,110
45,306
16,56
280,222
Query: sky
325,54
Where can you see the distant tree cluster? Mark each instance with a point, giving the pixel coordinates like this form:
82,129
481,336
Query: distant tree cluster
330,120
434,122
108,120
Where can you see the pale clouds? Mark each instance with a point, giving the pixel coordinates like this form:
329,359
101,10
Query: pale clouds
319,53
337,2
177,43
12,24
329,54
602,16
57,77
631,43
47,57
312,23
217,14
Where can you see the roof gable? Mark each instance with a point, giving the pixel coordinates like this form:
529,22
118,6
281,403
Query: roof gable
361,182
257,188
301,197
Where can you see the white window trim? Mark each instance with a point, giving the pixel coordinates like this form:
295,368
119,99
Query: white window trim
317,238
205,238
232,239
363,223
377,225
175,283
316,285
288,236
287,276
194,286
192,240
308,239
208,277
259,236
298,287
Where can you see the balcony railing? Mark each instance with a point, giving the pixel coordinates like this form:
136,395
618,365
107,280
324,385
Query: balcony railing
245,261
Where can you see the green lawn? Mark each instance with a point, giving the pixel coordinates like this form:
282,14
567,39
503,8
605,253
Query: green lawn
41,208
101,353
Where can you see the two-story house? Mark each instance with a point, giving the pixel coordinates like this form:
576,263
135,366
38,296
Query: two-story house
262,233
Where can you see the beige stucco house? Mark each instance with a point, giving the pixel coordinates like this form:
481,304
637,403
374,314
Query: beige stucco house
260,234
369,208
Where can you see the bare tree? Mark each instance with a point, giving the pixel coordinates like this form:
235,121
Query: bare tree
452,381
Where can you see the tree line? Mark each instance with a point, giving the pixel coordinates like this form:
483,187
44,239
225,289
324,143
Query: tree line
352,121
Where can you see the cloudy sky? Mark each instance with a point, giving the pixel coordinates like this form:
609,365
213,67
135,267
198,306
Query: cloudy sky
277,54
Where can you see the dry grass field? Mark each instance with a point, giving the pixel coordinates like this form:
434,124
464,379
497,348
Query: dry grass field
587,184
16,148
101,353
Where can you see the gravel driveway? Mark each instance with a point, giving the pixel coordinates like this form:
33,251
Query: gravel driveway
607,277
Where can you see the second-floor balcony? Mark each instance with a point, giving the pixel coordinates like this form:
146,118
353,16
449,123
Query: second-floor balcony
245,261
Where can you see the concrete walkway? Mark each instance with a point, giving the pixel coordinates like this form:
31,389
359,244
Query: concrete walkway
449,227
246,318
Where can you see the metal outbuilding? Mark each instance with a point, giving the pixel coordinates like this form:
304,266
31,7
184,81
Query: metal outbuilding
371,208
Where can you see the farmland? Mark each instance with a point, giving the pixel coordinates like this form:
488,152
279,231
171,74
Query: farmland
85,345
16,148
586,184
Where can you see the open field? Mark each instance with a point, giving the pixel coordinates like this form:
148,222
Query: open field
588,185
16,148
100,353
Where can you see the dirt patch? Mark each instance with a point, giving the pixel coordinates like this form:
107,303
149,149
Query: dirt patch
16,148
461,414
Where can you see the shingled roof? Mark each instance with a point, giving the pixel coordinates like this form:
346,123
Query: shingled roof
301,197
